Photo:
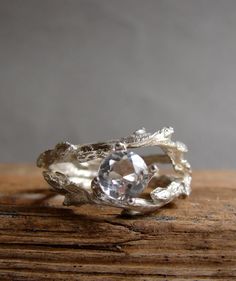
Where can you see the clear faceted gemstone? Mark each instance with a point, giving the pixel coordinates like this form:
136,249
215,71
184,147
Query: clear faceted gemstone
123,175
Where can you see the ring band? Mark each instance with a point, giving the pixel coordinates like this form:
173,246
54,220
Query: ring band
108,173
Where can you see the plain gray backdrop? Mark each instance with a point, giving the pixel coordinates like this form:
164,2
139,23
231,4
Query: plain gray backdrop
85,71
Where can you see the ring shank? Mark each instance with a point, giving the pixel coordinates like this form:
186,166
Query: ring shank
71,169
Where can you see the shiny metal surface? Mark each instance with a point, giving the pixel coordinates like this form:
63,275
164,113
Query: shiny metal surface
72,171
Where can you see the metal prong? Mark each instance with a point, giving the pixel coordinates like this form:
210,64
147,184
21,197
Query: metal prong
96,187
95,181
120,146
153,168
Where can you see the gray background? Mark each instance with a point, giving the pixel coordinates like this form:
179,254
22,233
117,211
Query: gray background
92,70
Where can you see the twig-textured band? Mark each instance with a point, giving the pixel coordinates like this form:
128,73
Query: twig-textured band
100,173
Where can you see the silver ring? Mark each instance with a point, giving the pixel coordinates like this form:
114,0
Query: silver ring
109,173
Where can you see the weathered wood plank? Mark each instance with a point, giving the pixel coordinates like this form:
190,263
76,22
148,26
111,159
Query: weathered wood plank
193,239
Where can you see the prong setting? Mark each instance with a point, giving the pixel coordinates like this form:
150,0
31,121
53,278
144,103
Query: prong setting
95,186
120,146
153,168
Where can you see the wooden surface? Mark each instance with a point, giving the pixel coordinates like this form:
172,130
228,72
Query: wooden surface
192,239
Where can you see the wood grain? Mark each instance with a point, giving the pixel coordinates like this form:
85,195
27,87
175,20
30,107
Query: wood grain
192,239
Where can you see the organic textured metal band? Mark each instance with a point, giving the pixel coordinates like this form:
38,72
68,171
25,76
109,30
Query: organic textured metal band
108,173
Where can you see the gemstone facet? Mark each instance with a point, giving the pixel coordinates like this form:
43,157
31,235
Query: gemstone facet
123,174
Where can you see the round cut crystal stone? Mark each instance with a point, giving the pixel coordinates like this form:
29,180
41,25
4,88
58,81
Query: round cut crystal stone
123,175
